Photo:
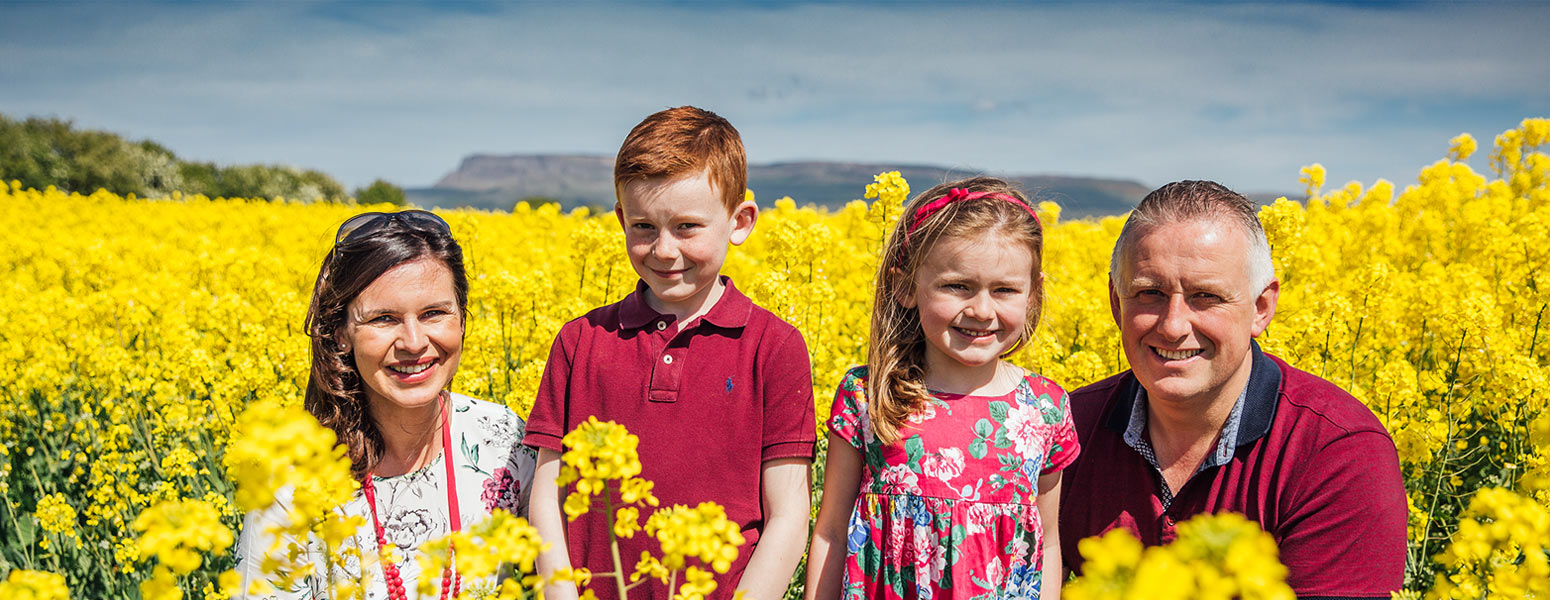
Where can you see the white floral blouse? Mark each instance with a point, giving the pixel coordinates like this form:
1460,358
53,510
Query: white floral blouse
494,470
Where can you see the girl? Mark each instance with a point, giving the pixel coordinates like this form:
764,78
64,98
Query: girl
943,475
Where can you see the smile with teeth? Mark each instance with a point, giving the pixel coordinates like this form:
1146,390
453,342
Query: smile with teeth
975,333
1176,354
411,369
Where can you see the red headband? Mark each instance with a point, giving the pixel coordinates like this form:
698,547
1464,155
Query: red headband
958,195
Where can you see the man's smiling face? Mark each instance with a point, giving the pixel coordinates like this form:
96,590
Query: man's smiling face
1187,310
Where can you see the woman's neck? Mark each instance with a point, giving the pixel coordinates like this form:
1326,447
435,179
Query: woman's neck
411,437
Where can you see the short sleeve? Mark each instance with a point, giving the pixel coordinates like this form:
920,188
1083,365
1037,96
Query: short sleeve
847,416
1063,446
787,376
546,423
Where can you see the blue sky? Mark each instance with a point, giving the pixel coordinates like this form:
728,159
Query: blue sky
1241,93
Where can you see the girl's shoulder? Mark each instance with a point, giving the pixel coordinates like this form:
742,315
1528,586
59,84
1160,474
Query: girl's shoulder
1039,384
855,378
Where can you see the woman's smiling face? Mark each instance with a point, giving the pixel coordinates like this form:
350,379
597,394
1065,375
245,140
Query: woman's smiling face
406,334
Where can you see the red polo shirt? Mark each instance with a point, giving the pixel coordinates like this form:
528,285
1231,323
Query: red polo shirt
710,402
1312,466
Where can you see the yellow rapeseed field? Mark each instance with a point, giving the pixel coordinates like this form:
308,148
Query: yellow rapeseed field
136,331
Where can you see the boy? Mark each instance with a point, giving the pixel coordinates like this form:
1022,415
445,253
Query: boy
718,390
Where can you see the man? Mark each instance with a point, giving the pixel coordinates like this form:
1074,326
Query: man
1205,422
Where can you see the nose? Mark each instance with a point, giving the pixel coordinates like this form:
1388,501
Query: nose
412,337
980,307
1173,323
665,248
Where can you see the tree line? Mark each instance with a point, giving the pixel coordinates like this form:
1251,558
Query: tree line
39,152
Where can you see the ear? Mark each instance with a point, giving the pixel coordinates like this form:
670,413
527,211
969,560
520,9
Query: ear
901,292
619,214
342,336
1113,301
743,219
1265,307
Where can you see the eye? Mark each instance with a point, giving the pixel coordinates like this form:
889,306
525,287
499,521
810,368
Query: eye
688,226
1150,296
382,319
957,287
643,227
1008,290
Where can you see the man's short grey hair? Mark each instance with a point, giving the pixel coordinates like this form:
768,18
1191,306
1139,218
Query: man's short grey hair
1186,201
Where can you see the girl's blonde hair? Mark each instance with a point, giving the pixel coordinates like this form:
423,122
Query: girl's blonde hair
896,354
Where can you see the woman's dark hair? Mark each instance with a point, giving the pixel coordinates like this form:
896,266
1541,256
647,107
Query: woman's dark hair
336,395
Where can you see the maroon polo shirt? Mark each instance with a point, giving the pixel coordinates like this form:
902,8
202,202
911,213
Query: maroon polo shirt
1312,466
710,402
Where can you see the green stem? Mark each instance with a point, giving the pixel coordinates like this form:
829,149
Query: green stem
613,544
1534,341
1447,453
10,511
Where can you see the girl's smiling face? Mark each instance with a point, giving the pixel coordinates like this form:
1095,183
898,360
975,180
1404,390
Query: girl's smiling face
973,297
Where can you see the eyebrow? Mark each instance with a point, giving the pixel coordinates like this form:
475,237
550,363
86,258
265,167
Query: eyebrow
450,306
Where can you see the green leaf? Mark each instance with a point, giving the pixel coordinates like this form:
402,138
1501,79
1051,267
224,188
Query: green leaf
998,410
914,450
978,449
1001,439
1009,462
27,531
983,428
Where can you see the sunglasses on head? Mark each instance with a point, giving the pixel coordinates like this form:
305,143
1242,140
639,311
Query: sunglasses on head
364,224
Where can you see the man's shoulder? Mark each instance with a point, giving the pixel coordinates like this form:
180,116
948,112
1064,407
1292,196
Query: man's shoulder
1088,402
1312,400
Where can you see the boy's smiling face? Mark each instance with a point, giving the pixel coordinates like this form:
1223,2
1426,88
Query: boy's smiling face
676,232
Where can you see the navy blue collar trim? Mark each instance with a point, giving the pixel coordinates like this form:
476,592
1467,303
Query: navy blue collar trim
1259,410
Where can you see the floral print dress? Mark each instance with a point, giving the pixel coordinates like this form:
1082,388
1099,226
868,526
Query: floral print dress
950,510
494,471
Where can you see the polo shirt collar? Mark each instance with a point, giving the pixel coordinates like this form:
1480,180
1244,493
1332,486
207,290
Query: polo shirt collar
730,312
1262,397
1257,402
1226,442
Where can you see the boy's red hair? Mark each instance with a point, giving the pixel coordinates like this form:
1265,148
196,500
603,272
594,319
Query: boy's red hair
680,141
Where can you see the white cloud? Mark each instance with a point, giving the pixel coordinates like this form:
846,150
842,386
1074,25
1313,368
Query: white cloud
1244,94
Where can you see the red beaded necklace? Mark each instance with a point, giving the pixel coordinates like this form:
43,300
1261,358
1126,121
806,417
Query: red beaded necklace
450,580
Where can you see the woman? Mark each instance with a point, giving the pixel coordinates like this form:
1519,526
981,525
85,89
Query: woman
386,322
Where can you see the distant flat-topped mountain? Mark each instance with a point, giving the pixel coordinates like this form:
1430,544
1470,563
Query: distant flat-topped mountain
499,182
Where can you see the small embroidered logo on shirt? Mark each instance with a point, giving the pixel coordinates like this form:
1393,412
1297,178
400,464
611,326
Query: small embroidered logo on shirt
729,384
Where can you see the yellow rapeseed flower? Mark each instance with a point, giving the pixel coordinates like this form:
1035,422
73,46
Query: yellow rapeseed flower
1312,176
23,584
177,533
55,515
1217,556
